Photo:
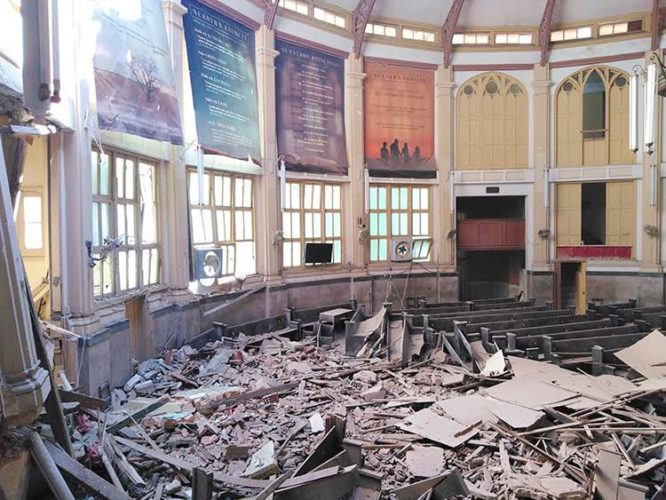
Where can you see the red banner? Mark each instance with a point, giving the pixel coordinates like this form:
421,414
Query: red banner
399,107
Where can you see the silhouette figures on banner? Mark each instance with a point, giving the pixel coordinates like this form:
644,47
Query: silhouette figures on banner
394,154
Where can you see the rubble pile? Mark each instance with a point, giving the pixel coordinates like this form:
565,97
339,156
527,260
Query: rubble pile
265,415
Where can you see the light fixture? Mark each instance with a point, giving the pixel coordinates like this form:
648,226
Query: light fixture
633,112
282,172
650,91
366,187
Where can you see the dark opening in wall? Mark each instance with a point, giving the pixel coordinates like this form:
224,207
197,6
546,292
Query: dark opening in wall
593,213
490,274
490,207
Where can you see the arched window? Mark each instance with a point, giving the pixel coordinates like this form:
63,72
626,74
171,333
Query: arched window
492,117
592,108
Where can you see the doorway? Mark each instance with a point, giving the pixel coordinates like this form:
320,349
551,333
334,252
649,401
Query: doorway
570,285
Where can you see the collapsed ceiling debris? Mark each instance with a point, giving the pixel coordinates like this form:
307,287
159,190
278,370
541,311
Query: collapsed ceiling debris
384,410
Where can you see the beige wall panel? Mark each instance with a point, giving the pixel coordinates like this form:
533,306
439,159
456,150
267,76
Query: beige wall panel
569,113
620,213
497,118
567,214
619,125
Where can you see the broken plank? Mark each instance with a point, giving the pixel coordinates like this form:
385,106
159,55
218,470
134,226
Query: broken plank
140,413
83,399
189,466
447,485
90,481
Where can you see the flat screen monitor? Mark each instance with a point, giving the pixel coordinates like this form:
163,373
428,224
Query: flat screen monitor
318,253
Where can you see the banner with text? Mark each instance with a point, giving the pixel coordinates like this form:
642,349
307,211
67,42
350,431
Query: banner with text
221,56
399,121
310,109
134,79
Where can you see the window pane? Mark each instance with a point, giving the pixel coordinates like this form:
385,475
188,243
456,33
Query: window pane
416,199
416,224
226,191
403,224
316,197
329,224
328,197
120,178
336,198
317,226
383,249
239,226
307,196
336,225
594,107
131,269
247,215
246,262
154,265
145,266
95,224
374,249
131,229
122,222
395,224
94,170
382,198
337,252
424,198
295,225
107,280
374,228
104,174
129,179
309,230
286,254
286,224
296,254
106,221
395,198
247,193
403,198
217,189
383,230
373,198
122,269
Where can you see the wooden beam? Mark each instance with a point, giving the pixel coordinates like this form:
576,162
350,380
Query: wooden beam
91,482
655,25
544,30
360,17
448,30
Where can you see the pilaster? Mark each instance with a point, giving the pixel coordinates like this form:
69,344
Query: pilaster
650,258
269,256
357,251
24,384
444,148
541,133
173,206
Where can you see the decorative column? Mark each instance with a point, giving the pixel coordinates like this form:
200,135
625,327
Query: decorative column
444,148
356,250
24,384
175,261
541,153
268,201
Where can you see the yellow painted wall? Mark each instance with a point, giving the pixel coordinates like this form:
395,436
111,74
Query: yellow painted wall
492,123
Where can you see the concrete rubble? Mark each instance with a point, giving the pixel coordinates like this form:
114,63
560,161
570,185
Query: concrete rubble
269,416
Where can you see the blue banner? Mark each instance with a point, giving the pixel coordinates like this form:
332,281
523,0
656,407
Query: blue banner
221,56
310,109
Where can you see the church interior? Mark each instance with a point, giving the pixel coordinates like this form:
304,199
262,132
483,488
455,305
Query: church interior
341,249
